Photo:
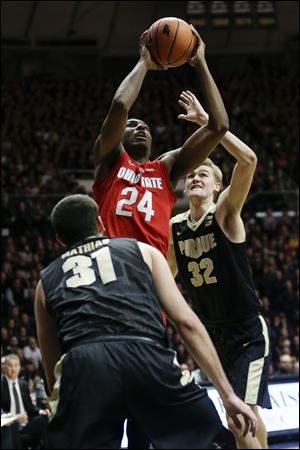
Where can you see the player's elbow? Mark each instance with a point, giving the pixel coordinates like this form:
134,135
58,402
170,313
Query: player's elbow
119,105
249,159
220,126
187,325
252,158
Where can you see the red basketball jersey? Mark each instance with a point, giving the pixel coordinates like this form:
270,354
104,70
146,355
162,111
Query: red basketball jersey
135,200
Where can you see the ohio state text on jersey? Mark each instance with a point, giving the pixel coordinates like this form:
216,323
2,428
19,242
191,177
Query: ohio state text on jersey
135,200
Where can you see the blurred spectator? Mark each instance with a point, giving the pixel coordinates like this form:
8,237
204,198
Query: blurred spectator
285,366
48,136
32,352
15,398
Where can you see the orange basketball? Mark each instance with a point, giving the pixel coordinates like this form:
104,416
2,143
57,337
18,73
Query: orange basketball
170,41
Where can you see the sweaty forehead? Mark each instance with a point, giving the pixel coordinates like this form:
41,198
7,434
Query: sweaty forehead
136,122
200,170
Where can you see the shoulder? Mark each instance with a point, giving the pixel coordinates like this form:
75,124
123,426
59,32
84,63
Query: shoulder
169,158
150,253
4,381
23,384
108,166
179,218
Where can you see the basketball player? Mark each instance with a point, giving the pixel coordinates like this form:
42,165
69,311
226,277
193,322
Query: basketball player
135,196
207,248
100,330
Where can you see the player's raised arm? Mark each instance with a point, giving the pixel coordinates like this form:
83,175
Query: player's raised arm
242,175
198,146
194,335
232,199
109,142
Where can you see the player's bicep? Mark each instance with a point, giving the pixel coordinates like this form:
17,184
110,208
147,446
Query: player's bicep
112,132
194,151
171,300
169,159
235,195
171,256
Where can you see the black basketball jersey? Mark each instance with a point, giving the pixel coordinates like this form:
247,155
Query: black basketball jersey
214,270
102,287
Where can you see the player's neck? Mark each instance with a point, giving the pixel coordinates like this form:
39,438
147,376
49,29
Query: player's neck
138,157
199,208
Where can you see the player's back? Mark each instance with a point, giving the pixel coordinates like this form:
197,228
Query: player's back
135,200
102,287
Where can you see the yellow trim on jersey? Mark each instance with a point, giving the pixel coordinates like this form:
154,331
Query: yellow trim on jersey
54,399
186,217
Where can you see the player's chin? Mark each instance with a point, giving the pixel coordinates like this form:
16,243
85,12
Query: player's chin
196,193
141,146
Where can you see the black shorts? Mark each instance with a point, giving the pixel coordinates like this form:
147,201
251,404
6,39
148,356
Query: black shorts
102,383
243,349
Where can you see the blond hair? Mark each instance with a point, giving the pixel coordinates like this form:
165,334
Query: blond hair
216,170
12,357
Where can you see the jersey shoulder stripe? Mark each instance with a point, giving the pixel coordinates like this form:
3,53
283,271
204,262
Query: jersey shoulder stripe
179,218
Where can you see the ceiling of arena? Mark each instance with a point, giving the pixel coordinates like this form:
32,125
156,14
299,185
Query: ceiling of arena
114,26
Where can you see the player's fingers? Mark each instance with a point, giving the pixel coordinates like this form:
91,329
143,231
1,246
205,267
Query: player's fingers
195,32
144,34
236,421
254,427
182,103
184,96
142,39
247,425
190,93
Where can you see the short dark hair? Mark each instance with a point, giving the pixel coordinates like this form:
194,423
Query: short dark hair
74,218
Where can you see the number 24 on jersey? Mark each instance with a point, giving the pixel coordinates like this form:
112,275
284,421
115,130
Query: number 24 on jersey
144,206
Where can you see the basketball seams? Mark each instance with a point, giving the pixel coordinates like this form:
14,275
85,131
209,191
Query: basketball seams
174,39
168,41
178,59
156,43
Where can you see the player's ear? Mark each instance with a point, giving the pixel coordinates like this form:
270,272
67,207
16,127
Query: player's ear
60,241
218,187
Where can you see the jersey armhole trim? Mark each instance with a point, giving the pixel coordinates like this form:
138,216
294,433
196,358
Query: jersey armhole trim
167,179
111,173
142,257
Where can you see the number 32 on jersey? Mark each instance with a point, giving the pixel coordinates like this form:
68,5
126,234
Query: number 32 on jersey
144,206
198,279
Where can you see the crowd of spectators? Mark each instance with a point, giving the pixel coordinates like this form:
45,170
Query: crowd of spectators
48,131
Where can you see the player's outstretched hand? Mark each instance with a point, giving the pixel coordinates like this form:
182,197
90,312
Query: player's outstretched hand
194,110
198,55
145,54
235,406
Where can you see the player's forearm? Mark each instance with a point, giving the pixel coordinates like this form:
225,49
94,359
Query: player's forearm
238,149
203,351
49,374
218,118
130,87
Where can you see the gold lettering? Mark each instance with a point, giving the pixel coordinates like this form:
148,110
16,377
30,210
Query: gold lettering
181,247
205,243
194,248
212,242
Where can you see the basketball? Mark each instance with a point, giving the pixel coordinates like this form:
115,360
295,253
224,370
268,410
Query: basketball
170,41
